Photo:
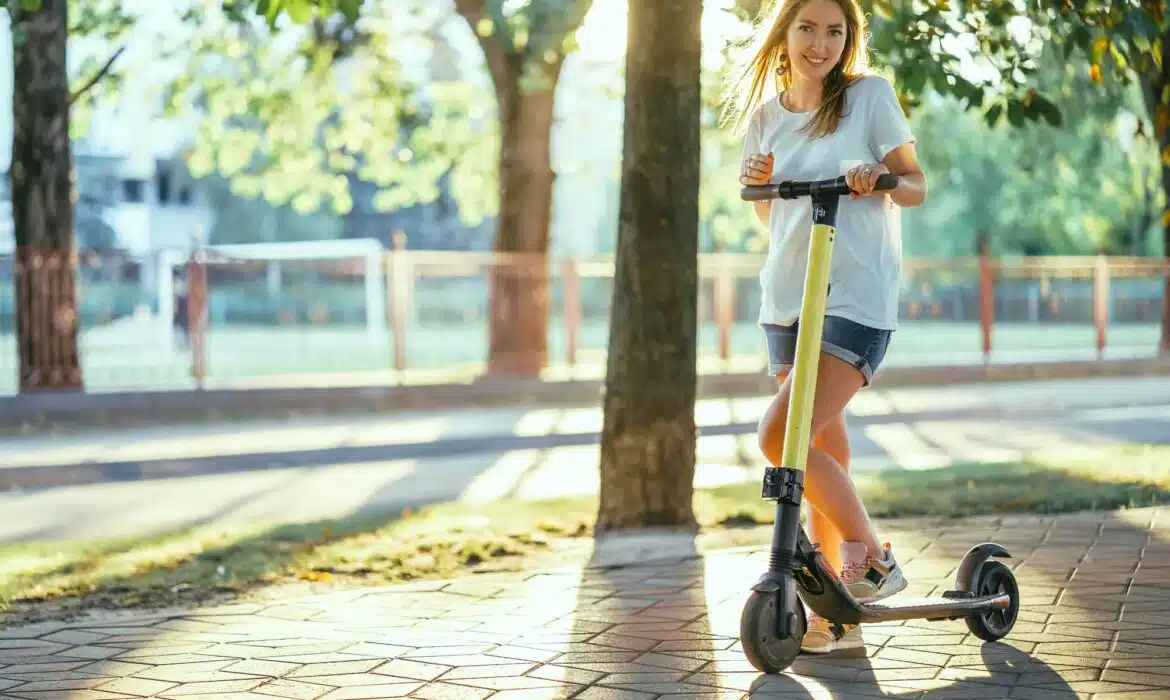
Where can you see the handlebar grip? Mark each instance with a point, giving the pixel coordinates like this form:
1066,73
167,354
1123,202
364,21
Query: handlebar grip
759,193
886,181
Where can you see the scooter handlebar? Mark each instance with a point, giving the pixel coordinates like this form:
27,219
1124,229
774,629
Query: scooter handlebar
791,189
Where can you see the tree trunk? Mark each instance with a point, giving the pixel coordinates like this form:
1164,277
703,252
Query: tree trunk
42,201
518,328
1164,340
1154,89
525,84
648,435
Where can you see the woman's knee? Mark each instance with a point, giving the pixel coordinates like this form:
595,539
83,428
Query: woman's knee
834,439
836,384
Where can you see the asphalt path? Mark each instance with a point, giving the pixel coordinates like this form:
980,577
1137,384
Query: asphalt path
149,481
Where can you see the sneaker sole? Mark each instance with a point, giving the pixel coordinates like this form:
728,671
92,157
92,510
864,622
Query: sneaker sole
890,590
840,645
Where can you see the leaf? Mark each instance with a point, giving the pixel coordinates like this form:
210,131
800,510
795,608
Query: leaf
1078,38
351,9
1016,112
1046,109
914,80
1098,48
991,116
299,11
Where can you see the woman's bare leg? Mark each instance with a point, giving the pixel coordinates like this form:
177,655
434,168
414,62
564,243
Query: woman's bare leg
827,485
833,439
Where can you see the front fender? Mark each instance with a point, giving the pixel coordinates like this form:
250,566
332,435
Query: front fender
968,573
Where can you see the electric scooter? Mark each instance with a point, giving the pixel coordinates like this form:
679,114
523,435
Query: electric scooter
773,621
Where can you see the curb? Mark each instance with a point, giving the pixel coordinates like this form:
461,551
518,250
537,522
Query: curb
35,413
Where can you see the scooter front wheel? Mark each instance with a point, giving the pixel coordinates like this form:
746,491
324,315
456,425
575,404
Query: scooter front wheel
765,651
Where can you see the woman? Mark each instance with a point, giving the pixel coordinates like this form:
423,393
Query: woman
830,117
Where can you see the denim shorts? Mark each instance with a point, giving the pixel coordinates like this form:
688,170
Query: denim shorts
859,345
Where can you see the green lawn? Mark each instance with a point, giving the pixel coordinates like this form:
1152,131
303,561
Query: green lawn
58,579
298,354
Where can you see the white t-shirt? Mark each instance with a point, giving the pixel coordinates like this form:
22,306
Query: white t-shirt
867,253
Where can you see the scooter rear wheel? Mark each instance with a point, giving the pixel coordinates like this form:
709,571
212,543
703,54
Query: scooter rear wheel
757,634
992,625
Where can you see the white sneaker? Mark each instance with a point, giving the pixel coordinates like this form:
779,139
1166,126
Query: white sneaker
870,579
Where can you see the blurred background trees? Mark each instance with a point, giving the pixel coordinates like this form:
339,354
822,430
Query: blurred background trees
496,125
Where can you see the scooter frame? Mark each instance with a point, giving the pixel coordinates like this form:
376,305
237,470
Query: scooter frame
773,622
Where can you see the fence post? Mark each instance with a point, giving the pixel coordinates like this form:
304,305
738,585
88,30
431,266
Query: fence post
571,308
724,304
986,295
1101,301
1164,341
399,290
197,308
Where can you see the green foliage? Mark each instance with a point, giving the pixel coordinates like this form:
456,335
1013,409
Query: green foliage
1123,37
1036,189
1125,40
290,113
532,34
299,11
295,106
100,78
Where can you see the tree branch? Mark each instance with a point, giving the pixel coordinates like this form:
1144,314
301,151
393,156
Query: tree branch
494,46
101,73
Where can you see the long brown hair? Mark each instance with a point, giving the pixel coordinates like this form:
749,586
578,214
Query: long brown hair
767,55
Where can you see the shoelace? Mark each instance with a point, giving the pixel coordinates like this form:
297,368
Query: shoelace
853,570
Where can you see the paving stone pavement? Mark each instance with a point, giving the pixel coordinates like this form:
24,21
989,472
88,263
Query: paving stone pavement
1094,624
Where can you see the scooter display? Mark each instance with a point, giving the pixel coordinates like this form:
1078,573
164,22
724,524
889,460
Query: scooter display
773,621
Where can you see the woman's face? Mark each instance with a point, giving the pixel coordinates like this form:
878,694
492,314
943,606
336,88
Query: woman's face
816,39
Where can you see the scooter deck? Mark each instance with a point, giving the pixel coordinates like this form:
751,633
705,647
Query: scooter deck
930,608
825,594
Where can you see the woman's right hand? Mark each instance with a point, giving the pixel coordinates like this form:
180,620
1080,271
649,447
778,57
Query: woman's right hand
757,169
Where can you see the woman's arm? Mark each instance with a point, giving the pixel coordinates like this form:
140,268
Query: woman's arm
911,189
757,170
763,212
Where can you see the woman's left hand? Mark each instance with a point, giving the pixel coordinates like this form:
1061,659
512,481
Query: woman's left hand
863,178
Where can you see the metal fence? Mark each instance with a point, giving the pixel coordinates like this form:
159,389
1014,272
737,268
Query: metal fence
167,321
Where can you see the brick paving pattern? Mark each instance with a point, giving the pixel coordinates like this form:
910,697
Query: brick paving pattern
1095,624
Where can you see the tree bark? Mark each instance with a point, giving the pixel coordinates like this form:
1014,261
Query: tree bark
42,200
518,327
648,434
518,322
1163,145
1155,85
